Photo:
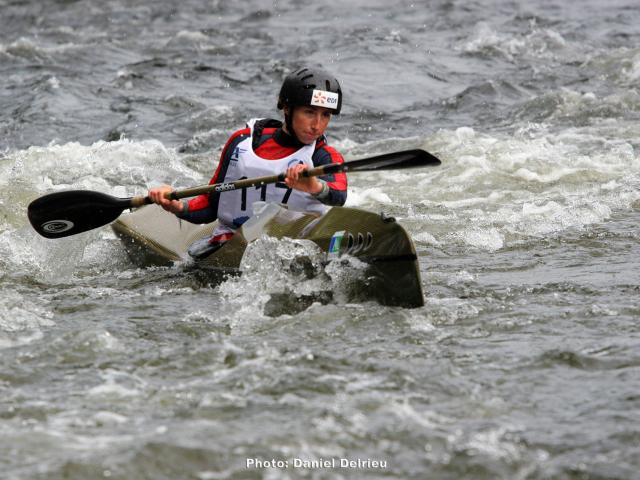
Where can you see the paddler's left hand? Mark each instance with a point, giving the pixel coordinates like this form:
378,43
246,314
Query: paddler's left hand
296,181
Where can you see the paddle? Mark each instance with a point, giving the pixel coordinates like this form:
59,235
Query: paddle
62,214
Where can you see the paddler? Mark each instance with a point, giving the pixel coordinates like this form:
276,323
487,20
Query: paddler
309,97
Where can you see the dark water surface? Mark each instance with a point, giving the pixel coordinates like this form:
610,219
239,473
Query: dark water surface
523,364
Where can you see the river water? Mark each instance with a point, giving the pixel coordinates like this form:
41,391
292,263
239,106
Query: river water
524,362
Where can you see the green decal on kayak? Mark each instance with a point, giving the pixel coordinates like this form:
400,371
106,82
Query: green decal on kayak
334,244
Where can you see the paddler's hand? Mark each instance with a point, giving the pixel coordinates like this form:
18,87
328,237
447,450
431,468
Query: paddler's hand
158,195
295,180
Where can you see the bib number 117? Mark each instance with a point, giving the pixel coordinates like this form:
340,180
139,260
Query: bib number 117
263,194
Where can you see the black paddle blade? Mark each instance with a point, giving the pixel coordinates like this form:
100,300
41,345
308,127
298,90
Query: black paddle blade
395,160
62,214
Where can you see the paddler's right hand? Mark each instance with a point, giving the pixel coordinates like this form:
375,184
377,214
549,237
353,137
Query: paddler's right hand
158,195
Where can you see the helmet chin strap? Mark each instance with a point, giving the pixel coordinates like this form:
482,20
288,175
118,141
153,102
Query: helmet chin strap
288,122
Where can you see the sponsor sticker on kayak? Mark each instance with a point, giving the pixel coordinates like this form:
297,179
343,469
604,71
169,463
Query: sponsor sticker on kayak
335,243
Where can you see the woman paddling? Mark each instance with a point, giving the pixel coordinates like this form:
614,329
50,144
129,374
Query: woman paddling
309,97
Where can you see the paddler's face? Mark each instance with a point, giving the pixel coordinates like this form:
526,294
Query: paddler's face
309,123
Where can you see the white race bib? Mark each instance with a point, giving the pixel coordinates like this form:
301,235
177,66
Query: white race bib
234,207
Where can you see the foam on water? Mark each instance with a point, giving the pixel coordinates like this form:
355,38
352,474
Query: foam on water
22,320
100,166
285,276
121,168
357,197
537,42
118,384
273,268
494,190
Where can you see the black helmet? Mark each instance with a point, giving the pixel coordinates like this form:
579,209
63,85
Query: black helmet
311,86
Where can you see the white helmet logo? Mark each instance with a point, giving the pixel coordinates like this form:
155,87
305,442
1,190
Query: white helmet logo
321,98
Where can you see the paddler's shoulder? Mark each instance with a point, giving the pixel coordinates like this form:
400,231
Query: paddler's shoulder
230,148
237,136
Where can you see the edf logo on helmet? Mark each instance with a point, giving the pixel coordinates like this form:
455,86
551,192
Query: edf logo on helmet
321,98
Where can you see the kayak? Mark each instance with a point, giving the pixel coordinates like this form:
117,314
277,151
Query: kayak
152,236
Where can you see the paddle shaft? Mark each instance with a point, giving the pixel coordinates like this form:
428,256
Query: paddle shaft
236,185
252,182
387,161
